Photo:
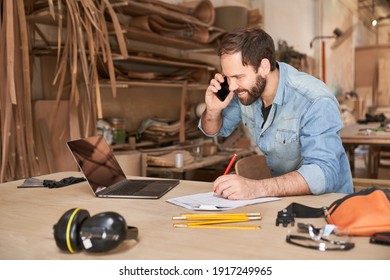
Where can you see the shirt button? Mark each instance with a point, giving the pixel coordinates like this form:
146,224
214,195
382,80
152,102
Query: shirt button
262,135
266,154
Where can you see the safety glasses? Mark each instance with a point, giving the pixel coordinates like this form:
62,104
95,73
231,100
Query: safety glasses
316,240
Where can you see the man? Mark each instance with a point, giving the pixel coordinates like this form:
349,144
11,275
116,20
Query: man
292,117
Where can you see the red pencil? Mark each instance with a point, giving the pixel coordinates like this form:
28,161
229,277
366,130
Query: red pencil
230,164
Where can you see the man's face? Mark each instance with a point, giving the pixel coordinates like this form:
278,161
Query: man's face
248,96
246,83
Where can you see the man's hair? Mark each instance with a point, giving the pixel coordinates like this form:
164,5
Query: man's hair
253,43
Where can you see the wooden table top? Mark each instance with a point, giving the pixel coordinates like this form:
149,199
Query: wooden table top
365,134
28,216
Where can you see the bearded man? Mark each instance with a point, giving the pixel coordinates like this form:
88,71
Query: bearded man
291,116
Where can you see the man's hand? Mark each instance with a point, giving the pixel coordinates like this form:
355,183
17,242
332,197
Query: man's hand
213,103
212,116
235,187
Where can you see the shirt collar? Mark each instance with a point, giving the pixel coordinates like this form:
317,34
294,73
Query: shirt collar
279,96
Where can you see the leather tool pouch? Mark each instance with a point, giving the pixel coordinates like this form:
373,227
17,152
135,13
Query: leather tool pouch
361,214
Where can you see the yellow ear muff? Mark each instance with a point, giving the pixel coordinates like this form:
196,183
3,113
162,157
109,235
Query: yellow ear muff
68,228
77,231
66,231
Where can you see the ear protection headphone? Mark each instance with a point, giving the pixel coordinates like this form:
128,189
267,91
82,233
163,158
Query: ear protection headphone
76,230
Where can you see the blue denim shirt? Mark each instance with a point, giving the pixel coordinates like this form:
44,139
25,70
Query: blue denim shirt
301,132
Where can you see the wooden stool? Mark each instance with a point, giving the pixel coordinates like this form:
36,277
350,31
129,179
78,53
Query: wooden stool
253,167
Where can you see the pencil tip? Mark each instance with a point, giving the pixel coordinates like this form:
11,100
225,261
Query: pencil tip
179,225
178,218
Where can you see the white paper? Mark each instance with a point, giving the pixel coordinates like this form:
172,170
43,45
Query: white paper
212,202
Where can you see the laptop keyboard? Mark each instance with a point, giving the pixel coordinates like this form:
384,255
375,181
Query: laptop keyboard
127,187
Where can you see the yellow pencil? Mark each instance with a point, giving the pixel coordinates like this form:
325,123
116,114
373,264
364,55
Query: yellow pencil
252,216
210,222
221,214
216,226
226,218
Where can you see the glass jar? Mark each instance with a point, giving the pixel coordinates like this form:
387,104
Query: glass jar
104,128
119,130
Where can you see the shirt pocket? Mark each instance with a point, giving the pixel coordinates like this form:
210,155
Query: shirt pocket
249,123
287,145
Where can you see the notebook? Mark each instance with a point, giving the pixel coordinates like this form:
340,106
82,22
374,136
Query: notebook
105,176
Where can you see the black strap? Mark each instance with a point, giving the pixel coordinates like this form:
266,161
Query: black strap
303,211
287,215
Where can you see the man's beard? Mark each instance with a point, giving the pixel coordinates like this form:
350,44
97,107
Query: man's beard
255,92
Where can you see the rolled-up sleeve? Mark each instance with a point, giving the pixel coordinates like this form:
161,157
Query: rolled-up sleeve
204,132
231,118
321,145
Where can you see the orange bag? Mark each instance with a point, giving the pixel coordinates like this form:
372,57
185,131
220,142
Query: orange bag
363,213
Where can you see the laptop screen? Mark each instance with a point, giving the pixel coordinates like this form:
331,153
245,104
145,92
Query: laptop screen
97,162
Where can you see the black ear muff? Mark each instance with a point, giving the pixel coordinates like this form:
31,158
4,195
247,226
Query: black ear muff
76,231
105,231
66,231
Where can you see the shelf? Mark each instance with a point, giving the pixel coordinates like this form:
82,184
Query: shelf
166,84
154,60
162,61
143,144
137,58
150,146
221,157
154,38
168,11
44,17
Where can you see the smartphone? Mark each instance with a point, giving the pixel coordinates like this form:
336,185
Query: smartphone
382,238
224,91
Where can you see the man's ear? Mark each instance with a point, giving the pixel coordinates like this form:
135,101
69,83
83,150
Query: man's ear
264,67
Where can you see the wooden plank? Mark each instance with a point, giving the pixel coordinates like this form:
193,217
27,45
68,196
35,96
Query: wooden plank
164,60
10,49
26,98
173,12
383,92
55,138
144,36
366,66
118,29
183,110
366,63
43,167
48,150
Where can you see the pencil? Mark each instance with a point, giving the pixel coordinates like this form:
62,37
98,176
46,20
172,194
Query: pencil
230,164
216,226
249,216
222,214
213,222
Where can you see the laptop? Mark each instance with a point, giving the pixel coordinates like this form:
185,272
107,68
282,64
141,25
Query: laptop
105,176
